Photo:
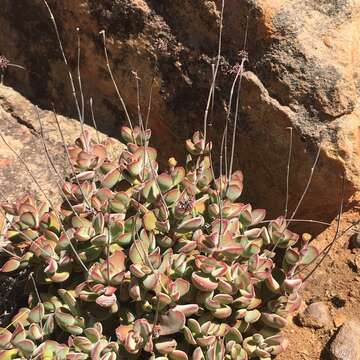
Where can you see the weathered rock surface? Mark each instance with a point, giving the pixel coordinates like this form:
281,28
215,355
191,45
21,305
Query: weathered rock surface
316,316
303,72
20,127
346,345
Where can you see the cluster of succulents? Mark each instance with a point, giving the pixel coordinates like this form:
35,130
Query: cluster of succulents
142,264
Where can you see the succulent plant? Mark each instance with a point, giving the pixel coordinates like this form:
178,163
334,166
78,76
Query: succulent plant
137,263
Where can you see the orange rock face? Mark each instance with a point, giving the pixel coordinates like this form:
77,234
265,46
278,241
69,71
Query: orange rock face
303,72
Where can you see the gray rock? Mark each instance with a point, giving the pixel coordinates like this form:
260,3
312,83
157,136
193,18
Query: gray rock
316,316
346,345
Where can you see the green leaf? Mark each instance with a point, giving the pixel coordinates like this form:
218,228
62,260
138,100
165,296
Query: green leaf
309,255
178,175
138,252
29,219
149,221
165,181
37,313
8,354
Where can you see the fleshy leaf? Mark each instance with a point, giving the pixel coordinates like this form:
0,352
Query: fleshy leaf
171,323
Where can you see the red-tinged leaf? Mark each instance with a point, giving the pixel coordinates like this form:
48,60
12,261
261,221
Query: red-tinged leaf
19,334
64,318
85,175
60,277
198,354
106,301
178,355
151,281
111,178
95,273
73,329
309,255
165,181
84,233
190,224
20,317
272,284
166,347
122,332
164,300
171,323
100,151
291,285
206,341
76,356
182,286
5,337
136,167
257,215
52,267
273,320
116,263
203,283
10,265
30,219
172,196
83,344
178,175
127,134
109,356
104,194
35,332
26,346
188,309
188,247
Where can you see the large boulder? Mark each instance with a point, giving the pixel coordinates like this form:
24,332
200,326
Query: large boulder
20,128
303,72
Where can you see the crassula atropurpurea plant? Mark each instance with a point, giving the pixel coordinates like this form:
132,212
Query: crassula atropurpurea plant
143,264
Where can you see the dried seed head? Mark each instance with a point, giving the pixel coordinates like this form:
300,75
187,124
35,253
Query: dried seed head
235,69
243,54
4,62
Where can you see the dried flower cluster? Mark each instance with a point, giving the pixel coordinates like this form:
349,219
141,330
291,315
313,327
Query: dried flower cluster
143,264
4,62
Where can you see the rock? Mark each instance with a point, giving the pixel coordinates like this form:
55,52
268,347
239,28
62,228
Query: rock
346,345
339,319
354,262
19,126
302,73
316,316
355,241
